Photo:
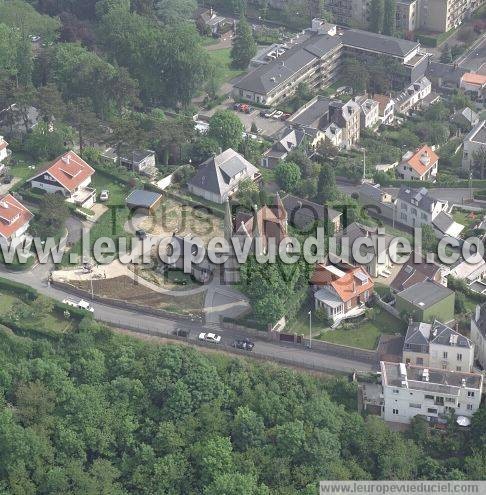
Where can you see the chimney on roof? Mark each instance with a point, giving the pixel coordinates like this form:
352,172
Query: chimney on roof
66,158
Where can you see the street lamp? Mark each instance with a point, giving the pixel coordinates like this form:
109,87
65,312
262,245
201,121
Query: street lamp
310,329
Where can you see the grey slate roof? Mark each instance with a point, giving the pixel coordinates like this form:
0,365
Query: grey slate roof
267,77
443,222
419,333
372,191
216,173
378,42
420,198
302,213
481,321
312,115
142,199
425,294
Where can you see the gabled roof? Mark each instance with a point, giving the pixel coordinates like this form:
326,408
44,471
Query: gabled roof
380,43
446,224
471,78
383,101
468,114
3,143
422,160
303,213
419,198
13,215
217,173
413,272
69,170
419,333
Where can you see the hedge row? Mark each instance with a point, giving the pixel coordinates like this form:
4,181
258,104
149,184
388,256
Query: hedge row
31,294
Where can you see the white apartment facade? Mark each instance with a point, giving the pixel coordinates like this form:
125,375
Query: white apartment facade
415,207
410,391
478,334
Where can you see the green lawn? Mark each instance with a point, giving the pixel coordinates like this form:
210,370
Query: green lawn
222,59
462,217
51,321
367,334
118,190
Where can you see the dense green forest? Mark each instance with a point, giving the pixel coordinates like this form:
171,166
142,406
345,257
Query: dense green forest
92,412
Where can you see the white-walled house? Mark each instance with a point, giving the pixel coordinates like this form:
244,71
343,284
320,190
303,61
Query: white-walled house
4,153
435,345
416,207
478,334
14,221
70,176
421,164
474,142
409,391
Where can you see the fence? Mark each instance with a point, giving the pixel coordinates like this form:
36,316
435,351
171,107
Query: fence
307,361
125,305
343,351
387,307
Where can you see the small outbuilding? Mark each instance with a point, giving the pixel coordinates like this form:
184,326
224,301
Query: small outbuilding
143,200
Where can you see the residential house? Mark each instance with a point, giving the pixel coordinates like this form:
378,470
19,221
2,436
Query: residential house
474,83
474,142
410,391
435,345
4,153
14,221
421,164
426,301
217,179
370,111
417,207
386,108
279,151
140,161
322,118
341,290
260,228
374,247
478,334
412,97
376,201
304,214
316,59
445,77
445,225
70,176
415,270
470,271
346,116
208,21
465,118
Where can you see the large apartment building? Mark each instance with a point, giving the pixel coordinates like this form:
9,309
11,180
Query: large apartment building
317,59
428,15
434,394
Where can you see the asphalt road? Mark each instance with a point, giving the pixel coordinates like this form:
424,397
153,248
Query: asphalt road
475,56
141,323
452,195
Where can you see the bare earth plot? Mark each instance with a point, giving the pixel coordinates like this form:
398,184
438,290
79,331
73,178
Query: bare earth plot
174,217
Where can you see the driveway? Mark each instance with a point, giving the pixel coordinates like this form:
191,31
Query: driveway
5,188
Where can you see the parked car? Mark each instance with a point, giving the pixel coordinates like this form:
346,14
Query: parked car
141,234
245,344
81,304
285,116
263,113
210,337
270,114
237,107
7,179
104,195
277,115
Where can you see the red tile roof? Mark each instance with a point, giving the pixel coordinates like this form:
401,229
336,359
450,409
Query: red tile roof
13,215
471,78
69,170
3,143
350,286
423,159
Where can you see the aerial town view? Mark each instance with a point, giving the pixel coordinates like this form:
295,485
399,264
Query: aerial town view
242,247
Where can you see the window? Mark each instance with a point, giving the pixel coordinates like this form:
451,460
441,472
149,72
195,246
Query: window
396,391
469,407
420,361
415,406
431,410
449,399
444,366
470,393
458,368
395,411
429,397
404,216
444,354
459,357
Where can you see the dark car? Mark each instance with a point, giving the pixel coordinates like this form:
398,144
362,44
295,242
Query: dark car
141,234
7,179
245,344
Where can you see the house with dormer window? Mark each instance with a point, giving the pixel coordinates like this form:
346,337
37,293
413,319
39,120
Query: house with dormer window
14,221
4,153
421,164
218,178
70,176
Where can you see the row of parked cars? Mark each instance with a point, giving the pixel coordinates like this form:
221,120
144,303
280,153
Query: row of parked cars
274,114
213,338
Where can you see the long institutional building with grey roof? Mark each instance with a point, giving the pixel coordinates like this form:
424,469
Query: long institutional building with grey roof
316,59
